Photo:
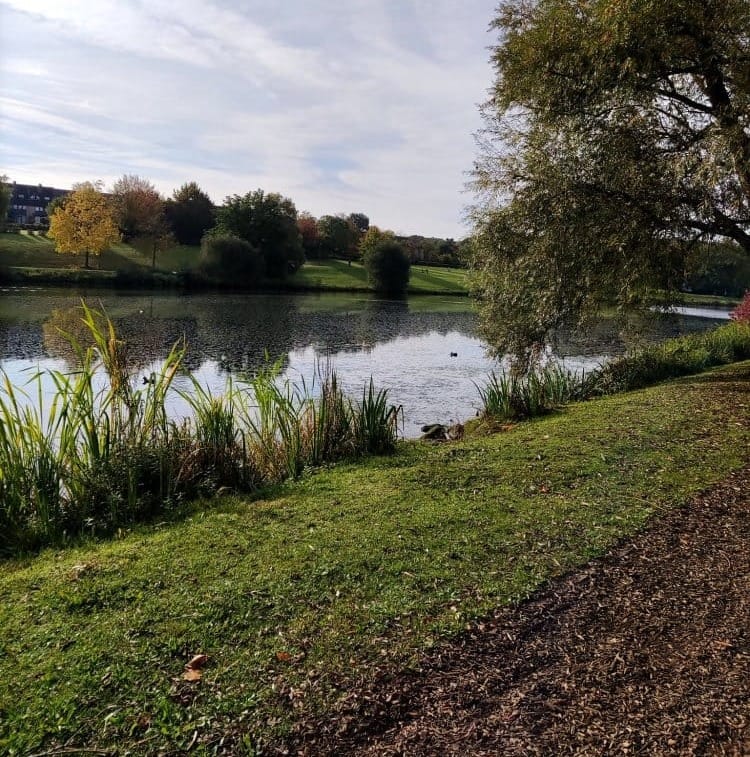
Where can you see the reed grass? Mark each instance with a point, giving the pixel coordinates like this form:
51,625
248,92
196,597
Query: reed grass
512,396
89,460
682,356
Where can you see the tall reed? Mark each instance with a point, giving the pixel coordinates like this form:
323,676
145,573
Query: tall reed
92,459
513,396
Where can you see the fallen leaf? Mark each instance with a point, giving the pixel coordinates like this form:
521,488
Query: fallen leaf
191,674
283,657
198,662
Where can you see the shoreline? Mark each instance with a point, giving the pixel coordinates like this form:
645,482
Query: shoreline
298,595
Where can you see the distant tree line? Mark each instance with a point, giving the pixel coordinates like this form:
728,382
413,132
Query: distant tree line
244,241
141,212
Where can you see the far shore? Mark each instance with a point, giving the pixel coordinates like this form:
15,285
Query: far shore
30,260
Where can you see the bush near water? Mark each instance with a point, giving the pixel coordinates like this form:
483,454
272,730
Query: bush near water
511,397
92,460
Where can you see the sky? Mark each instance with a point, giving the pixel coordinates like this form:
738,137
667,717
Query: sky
342,105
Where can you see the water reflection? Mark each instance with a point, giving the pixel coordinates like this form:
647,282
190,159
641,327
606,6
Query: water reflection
405,345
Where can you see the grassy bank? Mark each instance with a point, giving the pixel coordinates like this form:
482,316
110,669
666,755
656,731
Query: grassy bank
94,458
295,596
342,276
26,258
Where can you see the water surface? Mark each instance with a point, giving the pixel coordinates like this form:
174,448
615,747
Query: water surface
424,350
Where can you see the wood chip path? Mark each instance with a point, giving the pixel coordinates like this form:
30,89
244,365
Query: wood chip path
645,651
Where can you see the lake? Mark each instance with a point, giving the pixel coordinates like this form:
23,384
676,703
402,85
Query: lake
406,346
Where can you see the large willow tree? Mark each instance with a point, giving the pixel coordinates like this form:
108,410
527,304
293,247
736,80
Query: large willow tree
617,134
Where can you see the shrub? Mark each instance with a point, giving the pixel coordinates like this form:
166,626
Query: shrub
91,459
228,259
741,313
512,396
539,391
387,267
677,357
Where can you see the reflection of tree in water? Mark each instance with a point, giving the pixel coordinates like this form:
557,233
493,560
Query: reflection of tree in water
376,322
147,340
614,336
236,331
63,327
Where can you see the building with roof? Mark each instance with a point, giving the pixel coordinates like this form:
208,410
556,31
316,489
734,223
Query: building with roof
28,203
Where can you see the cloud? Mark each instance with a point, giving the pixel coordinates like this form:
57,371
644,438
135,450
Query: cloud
366,106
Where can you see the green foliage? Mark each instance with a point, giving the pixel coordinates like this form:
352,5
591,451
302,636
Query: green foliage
190,214
512,396
376,421
230,260
387,267
338,237
719,269
536,392
676,357
431,250
269,223
614,139
94,459
372,238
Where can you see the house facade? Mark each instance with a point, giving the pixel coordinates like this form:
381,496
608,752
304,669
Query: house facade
28,203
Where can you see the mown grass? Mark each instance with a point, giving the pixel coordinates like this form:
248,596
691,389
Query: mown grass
339,275
38,252
34,257
297,596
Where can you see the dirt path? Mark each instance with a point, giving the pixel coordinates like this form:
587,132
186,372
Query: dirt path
645,651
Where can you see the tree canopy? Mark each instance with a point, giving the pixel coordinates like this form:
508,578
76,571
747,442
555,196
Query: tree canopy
139,208
268,222
5,196
387,266
83,223
190,213
338,237
231,260
616,137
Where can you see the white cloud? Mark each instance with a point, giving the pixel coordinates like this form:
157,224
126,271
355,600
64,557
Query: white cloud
365,106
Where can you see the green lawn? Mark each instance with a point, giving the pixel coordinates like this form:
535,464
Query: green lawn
37,256
339,274
297,595
38,252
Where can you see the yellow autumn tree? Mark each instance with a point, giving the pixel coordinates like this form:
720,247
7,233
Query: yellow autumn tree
83,223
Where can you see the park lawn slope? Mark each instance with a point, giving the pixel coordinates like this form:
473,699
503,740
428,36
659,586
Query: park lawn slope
297,596
37,252
342,276
32,257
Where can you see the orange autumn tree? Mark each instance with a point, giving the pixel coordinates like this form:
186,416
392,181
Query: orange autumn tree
83,223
